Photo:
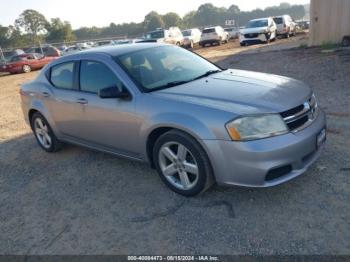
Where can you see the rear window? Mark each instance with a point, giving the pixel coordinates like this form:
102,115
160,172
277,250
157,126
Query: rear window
62,75
278,20
208,30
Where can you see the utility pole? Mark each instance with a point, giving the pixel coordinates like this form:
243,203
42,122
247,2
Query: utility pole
2,54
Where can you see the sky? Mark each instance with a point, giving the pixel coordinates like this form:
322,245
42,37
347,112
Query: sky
103,12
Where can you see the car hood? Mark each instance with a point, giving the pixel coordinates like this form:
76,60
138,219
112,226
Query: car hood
242,92
253,30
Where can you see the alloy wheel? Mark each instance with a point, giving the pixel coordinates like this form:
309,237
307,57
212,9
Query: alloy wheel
26,69
42,133
178,165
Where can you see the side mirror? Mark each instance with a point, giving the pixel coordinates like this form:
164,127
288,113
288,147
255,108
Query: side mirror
112,92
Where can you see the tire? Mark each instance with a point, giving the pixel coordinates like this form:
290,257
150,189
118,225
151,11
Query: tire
178,44
39,124
191,157
242,44
26,68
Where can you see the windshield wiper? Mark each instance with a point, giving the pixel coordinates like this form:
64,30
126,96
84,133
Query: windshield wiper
176,83
173,83
208,73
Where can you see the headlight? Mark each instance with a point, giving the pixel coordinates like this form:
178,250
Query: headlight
256,127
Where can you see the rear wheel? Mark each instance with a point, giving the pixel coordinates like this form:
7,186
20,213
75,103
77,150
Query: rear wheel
182,163
26,68
44,134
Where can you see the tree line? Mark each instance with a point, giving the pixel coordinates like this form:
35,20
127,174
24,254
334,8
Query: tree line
32,28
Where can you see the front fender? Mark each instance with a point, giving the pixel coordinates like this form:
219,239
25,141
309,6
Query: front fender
186,123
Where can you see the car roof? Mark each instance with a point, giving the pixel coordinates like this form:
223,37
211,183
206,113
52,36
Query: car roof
117,50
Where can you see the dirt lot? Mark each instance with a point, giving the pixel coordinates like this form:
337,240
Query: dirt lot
84,202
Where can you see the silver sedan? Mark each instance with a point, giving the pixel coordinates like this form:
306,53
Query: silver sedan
196,123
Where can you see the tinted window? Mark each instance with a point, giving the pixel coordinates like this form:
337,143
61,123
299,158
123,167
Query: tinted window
208,30
95,76
155,35
62,75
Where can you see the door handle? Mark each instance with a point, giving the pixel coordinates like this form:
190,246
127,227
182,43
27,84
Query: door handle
45,94
82,101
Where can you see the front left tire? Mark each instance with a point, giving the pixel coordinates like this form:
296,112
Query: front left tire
182,163
44,134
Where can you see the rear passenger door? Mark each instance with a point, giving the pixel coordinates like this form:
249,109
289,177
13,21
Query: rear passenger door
63,99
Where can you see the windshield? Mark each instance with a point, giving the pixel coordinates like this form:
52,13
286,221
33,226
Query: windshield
186,33
155,35
162,67
257,23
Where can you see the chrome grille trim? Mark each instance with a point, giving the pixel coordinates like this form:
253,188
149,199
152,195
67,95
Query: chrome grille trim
306,115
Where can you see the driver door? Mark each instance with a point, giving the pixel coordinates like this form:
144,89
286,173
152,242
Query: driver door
109,123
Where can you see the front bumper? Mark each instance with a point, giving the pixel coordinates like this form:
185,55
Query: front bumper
252,163
261,38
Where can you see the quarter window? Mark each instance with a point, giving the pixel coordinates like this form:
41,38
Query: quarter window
95,76
62,75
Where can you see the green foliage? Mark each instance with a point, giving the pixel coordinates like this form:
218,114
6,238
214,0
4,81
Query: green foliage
171,19
329,45
152,21
32,22
59,31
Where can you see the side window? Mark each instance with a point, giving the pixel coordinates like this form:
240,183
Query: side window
95,76
62,75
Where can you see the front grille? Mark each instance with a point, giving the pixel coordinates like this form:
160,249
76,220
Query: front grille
299,117
251,35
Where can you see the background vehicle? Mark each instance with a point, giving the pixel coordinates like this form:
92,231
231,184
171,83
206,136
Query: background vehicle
9,54
193,121
105,42
45,50
213,35
303,25
285,25
25,63
72,50
262,30
128,41
233,32
171,36
192,37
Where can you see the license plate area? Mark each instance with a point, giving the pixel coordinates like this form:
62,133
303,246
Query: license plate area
321,138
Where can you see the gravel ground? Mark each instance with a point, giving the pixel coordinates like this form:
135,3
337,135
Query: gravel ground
84,202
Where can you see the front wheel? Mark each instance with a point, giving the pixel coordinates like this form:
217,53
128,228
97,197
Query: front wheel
44,134
26,68
182,163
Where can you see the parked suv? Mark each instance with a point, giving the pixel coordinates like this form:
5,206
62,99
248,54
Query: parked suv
233,32
213,35
171,36
285,25
191,37
261,30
